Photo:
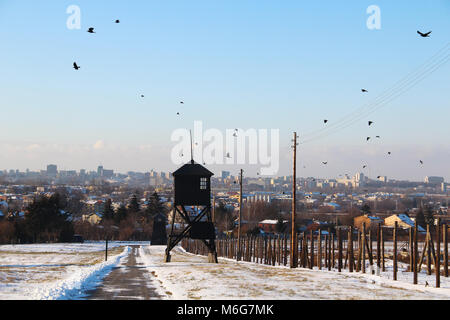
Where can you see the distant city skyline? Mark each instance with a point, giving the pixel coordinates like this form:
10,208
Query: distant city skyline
54,169
265,65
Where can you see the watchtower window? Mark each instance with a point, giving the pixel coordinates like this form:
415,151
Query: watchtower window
203,183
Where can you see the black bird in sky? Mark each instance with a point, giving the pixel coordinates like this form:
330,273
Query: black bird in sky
178,113
181,102
117,21
368,138
142,96
389,152
75,66
378,137
325,162
370,123
364,90
424,35
91,30
364,166
421,162
325,121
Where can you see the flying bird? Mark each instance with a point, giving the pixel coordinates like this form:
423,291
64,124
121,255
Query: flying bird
228,155
364,90
75,66
117,21
364,166
325,121
91,30
370,123
178,113
421,162
325,162
181,102
424,35
389,152
368,138
378,137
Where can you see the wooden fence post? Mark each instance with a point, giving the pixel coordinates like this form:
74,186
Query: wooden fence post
364,248
428,250
304,250
319,250
383,267
438,253
395,250
415,253
330,251
285,250
311,263
350,250
339,236
358,263
445,237
411,248
106,250
378,247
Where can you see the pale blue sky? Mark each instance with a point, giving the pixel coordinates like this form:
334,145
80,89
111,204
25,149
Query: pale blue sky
247,64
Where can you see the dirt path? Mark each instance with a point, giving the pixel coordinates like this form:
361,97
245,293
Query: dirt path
128,281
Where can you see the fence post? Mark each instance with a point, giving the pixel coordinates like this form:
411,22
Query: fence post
350,250
274,254
311,262
395,249
438,253
319,250
358,263
304,250
378,248
445,237
339,236
285,249
363,243
383,267
106,250
331,254
415,254
429,250
411,248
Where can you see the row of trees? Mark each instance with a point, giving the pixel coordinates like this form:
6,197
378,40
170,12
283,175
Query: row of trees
47,220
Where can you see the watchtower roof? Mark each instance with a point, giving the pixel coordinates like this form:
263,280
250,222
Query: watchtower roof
193,169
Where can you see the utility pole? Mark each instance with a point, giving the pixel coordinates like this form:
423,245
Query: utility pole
294,253
240,216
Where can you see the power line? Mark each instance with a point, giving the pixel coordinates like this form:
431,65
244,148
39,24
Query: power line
377,105
399,88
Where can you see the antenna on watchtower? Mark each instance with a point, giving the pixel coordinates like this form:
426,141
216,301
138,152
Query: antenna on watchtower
192,153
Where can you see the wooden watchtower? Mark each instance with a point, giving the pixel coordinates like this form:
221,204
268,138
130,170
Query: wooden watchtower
192,201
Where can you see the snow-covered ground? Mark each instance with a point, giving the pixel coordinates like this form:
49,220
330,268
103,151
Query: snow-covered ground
68,271
189,276
55,271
